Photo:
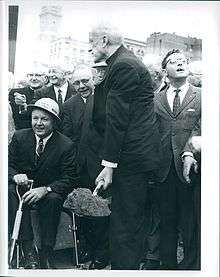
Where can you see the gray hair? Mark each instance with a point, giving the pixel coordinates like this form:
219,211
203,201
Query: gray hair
112,32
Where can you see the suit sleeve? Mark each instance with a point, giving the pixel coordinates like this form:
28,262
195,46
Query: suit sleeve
124,82
69,177
13,159
195,132
37,95
67,128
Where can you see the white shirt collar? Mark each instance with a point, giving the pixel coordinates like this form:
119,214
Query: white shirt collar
63,89
44,139
171,93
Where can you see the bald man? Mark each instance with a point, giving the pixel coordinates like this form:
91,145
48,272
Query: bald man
60,89
19,98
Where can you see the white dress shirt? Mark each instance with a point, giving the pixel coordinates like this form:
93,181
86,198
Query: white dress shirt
170,97
171,94
44,141
63,92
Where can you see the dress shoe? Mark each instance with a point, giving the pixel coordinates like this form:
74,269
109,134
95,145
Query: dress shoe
98,264
85,257
31,261
151,265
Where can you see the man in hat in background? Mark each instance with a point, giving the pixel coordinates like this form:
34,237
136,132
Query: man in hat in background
19,98
43,155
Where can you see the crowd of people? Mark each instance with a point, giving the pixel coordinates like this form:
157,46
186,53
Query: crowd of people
118,128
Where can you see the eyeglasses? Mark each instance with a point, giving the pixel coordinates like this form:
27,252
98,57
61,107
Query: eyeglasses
83,81
30,75
176,61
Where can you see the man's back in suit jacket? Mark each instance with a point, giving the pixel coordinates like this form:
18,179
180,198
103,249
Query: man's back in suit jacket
131,133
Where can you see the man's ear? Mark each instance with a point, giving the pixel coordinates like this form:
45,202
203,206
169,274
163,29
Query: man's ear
164,71
105,40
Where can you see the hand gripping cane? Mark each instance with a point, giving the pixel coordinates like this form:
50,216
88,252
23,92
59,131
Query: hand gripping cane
17,223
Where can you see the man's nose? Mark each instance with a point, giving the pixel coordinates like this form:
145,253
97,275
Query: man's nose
39,122
81,85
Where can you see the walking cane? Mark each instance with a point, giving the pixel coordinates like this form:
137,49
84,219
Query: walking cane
74,228
17,224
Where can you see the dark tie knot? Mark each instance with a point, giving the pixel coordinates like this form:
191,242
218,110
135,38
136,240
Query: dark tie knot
177,91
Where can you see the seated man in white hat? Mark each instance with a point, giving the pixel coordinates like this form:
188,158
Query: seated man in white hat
43,155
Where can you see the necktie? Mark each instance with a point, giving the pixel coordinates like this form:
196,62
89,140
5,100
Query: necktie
60,99
40,147
176,101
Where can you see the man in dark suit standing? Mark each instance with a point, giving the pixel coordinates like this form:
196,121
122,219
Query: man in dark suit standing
19,98
129,148
178,109
43,155
60,89
77,125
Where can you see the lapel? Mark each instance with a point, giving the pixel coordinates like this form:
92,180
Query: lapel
69,92
190,95
52,93
162,99
31,144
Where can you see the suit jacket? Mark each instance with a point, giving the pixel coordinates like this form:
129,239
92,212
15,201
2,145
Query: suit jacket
176,130
49,92
130,131
21,120
56,167
76,121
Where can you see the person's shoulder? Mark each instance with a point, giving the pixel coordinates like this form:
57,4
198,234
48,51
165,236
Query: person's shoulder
23,133
65,141
69,102
43,90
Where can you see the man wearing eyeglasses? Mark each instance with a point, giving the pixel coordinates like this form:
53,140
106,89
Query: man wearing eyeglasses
178,108
19,98
60,89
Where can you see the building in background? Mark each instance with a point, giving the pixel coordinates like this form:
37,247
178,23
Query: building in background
139,48
69,52
160,43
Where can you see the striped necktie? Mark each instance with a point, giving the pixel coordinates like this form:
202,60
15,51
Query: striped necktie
40,148
60,99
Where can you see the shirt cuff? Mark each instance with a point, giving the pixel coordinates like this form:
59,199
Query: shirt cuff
187,153
109,164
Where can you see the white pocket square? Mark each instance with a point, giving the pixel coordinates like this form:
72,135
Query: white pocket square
191,110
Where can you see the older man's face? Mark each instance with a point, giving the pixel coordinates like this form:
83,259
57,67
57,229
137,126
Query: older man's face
83,83
56,76
36,79
96,48
177,66
42,123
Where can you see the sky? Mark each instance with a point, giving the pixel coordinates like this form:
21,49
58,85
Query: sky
136,20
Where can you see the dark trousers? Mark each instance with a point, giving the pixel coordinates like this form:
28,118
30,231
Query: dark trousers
177,211
152,245
49,209
94,229
128,220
